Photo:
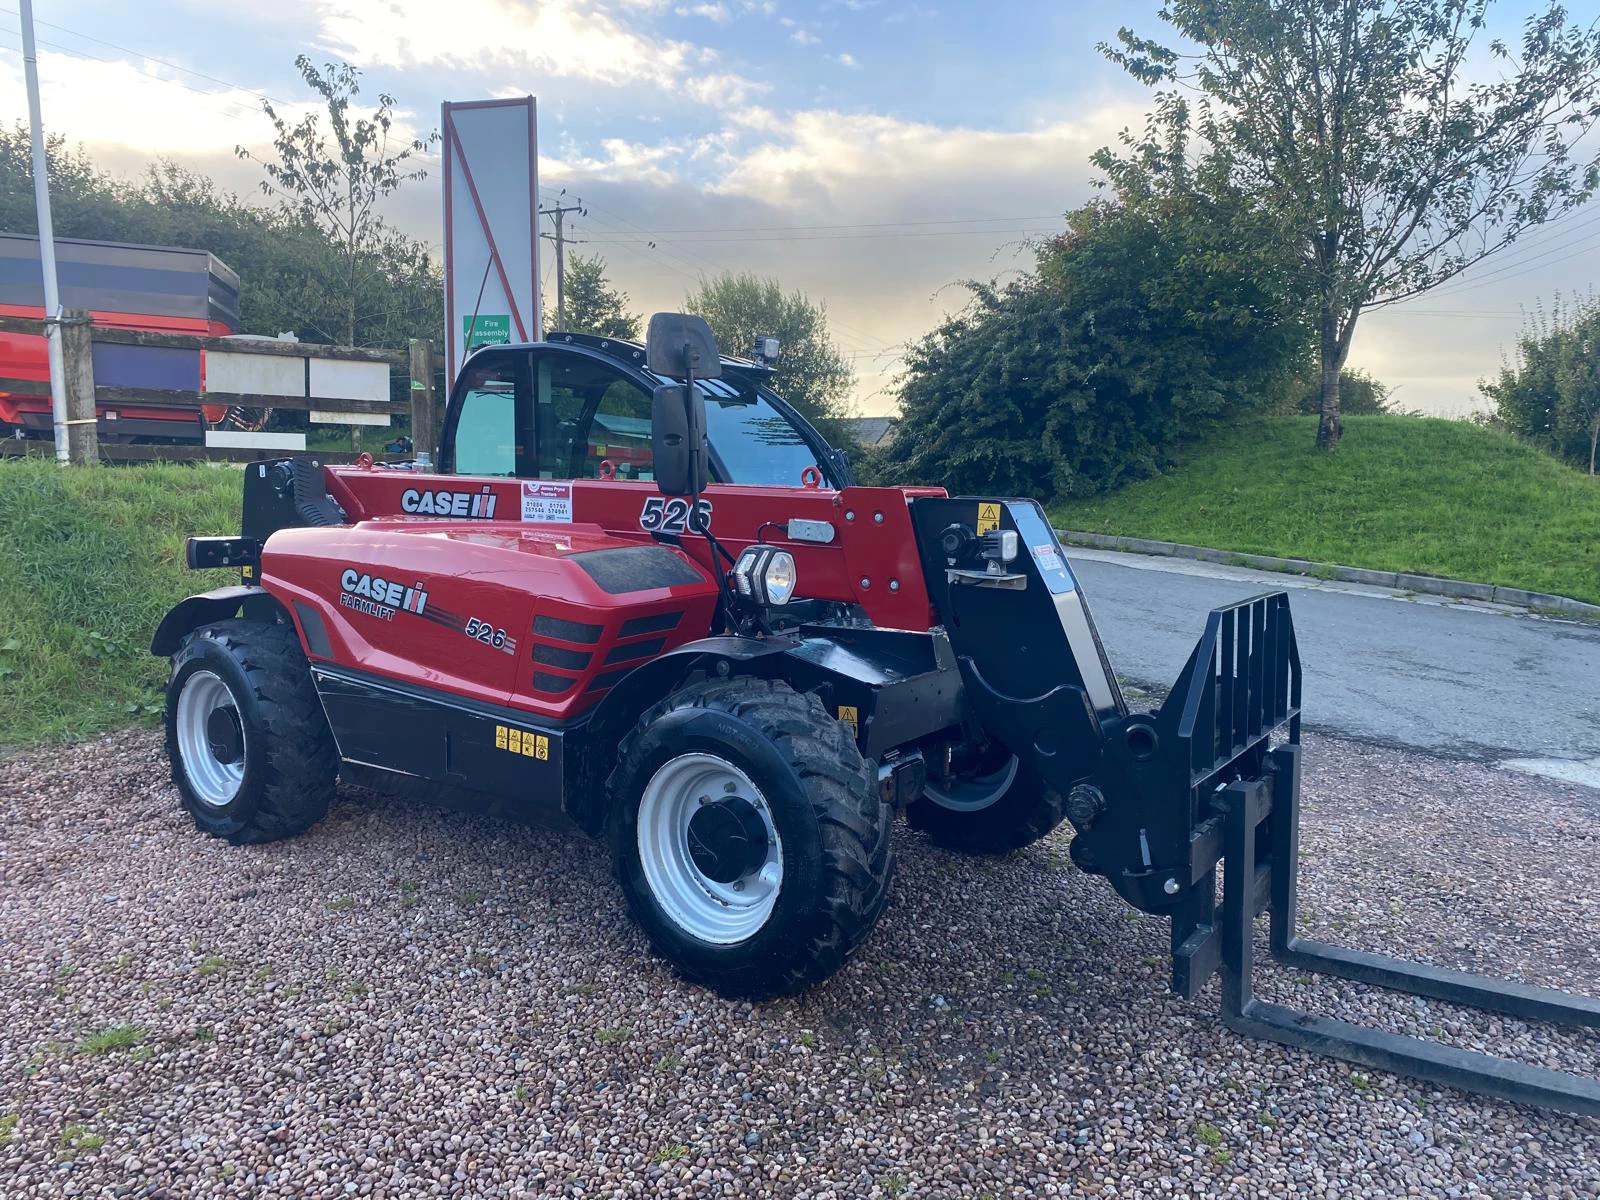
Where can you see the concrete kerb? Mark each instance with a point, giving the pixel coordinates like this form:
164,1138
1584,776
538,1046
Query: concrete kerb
1460,589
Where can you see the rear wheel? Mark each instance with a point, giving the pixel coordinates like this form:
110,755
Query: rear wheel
989,802
749,842
252,756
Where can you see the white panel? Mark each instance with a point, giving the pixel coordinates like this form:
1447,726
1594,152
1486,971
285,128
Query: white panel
255,374
338,379
237,439
321,416
491,162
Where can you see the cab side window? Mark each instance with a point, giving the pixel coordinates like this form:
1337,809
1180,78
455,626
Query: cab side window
485,436
587,412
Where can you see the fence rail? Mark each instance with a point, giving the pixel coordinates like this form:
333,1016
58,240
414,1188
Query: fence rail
86,397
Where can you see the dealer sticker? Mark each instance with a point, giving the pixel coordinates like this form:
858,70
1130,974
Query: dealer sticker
546,502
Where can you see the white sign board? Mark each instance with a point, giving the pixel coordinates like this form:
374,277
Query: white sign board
491,225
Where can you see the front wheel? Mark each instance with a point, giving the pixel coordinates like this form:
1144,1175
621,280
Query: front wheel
989,802
749,842
252,756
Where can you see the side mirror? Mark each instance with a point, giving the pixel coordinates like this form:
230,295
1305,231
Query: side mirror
678,344
678,438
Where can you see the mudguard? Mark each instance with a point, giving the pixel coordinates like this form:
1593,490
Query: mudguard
189,614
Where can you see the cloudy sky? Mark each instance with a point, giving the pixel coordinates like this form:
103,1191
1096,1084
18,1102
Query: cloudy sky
869,152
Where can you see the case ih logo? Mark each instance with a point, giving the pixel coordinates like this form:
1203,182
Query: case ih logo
443,503
377,597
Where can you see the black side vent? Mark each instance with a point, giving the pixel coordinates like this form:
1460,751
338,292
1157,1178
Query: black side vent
559,656
552,685
567,631
658,623
610,679
635,650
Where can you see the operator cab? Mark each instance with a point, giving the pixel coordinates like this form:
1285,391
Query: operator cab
579,407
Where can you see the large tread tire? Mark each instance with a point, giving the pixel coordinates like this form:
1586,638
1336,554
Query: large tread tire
834,829
1028,810
291,762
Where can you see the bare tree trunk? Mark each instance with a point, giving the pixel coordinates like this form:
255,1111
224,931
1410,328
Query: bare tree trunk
1329,428
1594,440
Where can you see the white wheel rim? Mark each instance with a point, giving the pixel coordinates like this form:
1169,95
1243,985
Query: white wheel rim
975,793
712,911
215,782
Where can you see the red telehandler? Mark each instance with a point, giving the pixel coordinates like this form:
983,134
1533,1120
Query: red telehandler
641,589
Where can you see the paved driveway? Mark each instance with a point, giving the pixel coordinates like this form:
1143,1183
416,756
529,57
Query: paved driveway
1470,681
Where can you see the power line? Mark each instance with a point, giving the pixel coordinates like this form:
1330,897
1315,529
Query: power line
148,57
856,225
835,237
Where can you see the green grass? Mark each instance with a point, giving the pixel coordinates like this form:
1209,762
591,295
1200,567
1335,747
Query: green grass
112,1037
90,560
1423,495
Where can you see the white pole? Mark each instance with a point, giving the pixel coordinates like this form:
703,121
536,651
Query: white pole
47,237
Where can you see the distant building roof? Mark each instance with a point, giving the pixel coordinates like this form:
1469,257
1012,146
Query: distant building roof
872,431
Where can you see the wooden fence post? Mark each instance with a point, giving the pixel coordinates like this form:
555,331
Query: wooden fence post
77,353
423,433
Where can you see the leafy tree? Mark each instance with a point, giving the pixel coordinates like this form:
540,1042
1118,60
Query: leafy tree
1144,324
812,373
1550,393
1359,393
1358,125
290,272
593,305
336,185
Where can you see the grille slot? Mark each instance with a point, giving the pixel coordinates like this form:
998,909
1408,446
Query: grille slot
610,679
657,623
552,685
561,657
635,651
567,631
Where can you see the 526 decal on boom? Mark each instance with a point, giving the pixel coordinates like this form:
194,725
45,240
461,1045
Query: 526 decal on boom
661,515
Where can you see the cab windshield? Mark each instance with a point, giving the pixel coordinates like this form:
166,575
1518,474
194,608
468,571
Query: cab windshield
751,441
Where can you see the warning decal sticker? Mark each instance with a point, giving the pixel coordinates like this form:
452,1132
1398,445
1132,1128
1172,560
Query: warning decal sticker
547,502
988,516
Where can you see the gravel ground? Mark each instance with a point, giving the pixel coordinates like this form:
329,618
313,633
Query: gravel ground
409,1002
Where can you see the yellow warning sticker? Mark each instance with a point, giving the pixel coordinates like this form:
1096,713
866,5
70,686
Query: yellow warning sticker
988,516
847,714
247,571
522,741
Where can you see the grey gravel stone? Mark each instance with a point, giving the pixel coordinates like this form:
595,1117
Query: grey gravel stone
408,1002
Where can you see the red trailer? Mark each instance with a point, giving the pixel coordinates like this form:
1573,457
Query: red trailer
165,289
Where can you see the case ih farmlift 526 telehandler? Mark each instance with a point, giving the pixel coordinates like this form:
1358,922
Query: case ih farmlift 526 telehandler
642,589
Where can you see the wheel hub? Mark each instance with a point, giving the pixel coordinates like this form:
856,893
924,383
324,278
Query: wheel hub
708,848
728,840
224,735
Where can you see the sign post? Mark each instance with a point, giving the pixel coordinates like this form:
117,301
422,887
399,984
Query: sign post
491,235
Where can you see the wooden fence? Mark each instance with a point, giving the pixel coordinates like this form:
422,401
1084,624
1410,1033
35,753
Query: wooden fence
85,398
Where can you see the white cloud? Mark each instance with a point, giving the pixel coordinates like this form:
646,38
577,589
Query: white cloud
845,59
141,106
558,37
804,38
712,12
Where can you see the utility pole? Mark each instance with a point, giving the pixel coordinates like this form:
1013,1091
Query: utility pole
47,240
557,213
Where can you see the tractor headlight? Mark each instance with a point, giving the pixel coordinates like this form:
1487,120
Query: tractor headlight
765,575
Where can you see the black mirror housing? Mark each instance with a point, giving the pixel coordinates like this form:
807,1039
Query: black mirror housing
680,344
678,439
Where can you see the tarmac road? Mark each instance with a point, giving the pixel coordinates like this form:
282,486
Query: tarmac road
1461,679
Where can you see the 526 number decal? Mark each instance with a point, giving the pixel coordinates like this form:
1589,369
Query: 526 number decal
482,631
662,515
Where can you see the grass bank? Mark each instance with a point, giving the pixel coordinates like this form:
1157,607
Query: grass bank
90,559
1416,494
